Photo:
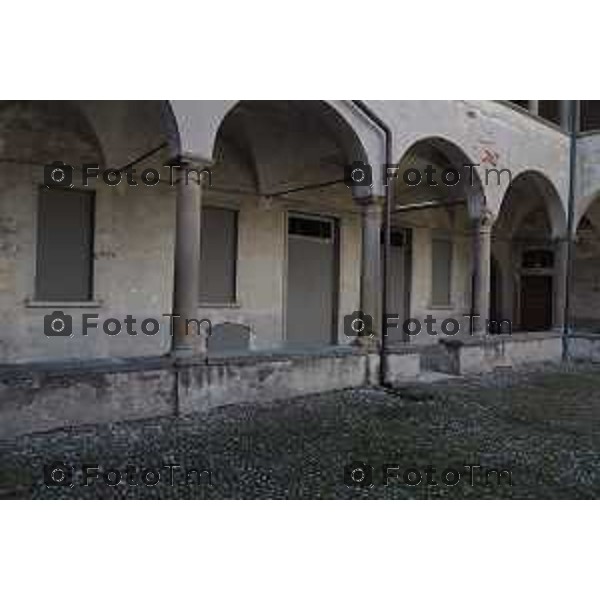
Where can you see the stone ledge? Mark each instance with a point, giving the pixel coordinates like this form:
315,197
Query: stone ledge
490,340
284,354
43,396
586,335
144,363
84,367
484,354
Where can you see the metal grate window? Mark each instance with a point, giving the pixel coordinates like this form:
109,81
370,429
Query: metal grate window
538,259
317,228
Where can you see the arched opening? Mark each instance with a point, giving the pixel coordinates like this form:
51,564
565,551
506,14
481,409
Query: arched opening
585,287
85,244
40,132
525,241
279,174
430,269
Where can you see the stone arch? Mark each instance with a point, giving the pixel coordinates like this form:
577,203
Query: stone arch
287,141
527,239
585,274
199,123
41,132
433,224
112,133
128,130
445,154
168,122
281,165
583,207
537,186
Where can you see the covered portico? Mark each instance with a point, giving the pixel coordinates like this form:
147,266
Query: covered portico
292,248
269,247
274,248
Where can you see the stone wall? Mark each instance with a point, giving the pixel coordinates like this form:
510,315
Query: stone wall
201,387
133,253
474,356
585,347
133,272
43,397
134,241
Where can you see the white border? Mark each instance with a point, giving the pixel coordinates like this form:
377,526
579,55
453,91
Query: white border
312,49
337,549
434,50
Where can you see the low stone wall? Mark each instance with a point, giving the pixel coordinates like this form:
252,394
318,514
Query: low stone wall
403,363
584,347
476,355
437,357
43,397
251,379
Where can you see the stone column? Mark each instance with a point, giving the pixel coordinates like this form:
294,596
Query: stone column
534,106
482,244
370,268
561,257
186,341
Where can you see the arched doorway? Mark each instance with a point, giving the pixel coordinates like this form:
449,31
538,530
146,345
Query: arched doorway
433,222
585,290
279,165
87,244
526,236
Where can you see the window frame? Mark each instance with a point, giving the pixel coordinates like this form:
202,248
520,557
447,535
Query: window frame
91,301
442,236
233,302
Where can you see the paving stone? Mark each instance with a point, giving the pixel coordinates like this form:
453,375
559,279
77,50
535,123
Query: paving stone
543,425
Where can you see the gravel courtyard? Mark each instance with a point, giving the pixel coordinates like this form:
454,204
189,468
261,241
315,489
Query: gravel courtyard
542,426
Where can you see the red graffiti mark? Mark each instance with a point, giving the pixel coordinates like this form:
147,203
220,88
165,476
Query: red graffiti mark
490,157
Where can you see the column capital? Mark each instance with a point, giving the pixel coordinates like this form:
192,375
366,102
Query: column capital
189,161
193,169
484,220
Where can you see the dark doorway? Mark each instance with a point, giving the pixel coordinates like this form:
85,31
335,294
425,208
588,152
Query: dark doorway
536,302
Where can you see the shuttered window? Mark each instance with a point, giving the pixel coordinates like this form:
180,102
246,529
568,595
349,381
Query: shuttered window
64,255
441,271
218,253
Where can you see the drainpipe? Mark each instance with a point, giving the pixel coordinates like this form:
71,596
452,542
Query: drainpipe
573,118
387,218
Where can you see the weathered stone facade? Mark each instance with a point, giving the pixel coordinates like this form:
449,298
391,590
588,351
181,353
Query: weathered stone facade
269,162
